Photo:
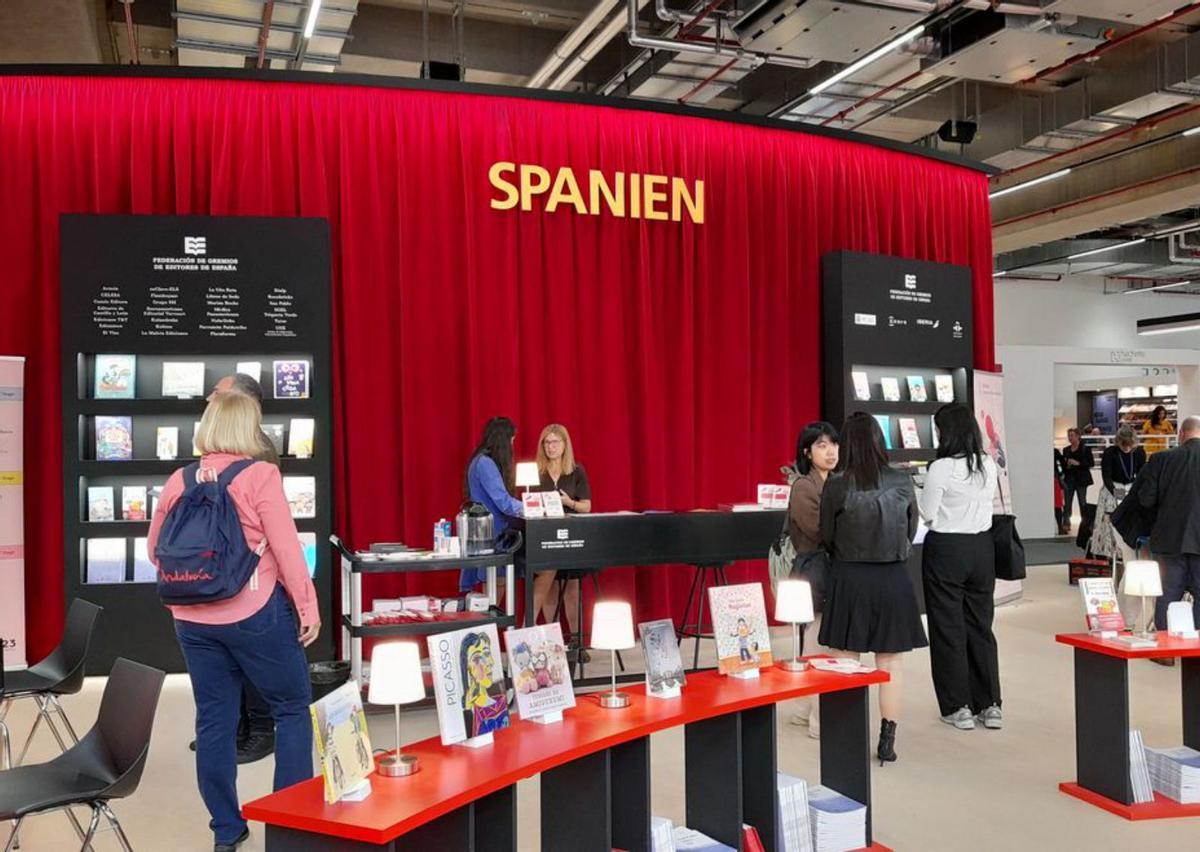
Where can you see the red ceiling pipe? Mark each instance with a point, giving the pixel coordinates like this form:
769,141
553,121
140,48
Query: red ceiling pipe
841,115
707,80
703,13
129,32
268,9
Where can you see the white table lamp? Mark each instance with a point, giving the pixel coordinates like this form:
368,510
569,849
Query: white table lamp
612,631
1143,580
794,605
396,679
528,476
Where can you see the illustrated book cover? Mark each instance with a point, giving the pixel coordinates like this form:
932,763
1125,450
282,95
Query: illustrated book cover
541,676
114,438
891,388
342,740
115,376
300,437
885,424
909,438
100,503
468,683
1100,604
916,389
862,387
166,442
944,387
664,664
740,624
291,379
183,379
301,493
133,502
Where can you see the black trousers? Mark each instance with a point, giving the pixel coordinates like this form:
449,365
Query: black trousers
959,576
1180,573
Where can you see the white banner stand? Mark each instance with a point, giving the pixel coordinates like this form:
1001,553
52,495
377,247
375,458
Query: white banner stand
12,511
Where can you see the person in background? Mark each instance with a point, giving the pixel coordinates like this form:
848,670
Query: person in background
816,458
258,634
559,472
1077,476
868,519
959,573
489,480
1058,493
1158,424
1121,463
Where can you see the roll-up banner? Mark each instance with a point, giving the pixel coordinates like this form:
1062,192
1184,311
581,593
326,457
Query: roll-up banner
989,413
12,511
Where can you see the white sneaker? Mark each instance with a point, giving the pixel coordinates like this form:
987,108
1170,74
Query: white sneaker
961,719
991,718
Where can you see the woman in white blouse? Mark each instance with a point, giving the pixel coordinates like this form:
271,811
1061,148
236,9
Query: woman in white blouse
958,565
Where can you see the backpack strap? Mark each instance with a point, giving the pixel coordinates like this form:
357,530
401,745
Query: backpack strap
191,476
233,470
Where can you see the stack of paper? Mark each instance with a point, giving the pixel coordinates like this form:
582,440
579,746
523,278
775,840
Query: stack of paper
792,832
838,822
839,665
1175,773
1139,772
687,840
662,834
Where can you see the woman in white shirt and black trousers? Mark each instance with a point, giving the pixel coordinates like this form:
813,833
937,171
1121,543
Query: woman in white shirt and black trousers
958,564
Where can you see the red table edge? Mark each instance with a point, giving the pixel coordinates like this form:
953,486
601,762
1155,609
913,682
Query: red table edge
259,810
1111,648
1160,808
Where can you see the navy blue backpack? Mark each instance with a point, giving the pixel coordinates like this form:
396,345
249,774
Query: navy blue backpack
202,553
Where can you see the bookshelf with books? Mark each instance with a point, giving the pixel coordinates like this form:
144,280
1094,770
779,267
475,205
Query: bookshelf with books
897,345
148,328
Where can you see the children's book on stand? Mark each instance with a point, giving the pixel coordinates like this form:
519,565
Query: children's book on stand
944,386
114,438
115,376
541,676
862,386
343,744
100,503
665,677
891,388
469,685
183,379
916,389
739,619
1101,607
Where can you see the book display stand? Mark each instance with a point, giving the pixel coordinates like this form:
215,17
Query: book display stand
155,310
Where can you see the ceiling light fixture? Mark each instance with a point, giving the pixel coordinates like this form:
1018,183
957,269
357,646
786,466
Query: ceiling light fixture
1000,274
1029,183
1169,325
311,23
1078,255
1134,290
877,53
1191,132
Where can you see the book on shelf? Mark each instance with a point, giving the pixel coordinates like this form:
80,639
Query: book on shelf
1100,605
183,379
541,676
300,437
862,385
114,438
100,503
533,505
343,743
944,387
689,840
916,389
891,388
1141,783
291,379
909,439
195,433
144,570
253,369
885,424
105,560
308,546
133,502
154,495
933,431
837,821
301,493
1175,773
751,842
792,830
166,442
664,664
739,619
115,375
468,683
274,433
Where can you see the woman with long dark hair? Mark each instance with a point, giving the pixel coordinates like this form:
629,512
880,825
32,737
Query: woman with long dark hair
489,479
1158,424
959,573
868,518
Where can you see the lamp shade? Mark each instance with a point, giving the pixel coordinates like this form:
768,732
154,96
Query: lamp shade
396,674
612,626
527,475
1142,579
793,602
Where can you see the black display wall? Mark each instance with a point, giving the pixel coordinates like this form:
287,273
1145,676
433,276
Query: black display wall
166,289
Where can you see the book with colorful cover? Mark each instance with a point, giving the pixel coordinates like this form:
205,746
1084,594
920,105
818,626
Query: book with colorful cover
115,376
1100,604
541,676
862,386
468,683
891,388
114,438
916,389
105,560
133,502
885,424
664,664
166,442
100,503
532,505
739,619
343,741
291,379
552,503
944,387
909,439
301,493
300,437
183,379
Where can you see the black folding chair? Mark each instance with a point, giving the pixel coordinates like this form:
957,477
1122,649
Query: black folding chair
106,764
59,674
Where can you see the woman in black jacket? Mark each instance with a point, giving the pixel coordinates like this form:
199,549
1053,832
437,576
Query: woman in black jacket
868,518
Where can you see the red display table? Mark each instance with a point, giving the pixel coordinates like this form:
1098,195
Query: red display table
595,767
1102,721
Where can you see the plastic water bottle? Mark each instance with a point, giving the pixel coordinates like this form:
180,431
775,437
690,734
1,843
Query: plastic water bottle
439,536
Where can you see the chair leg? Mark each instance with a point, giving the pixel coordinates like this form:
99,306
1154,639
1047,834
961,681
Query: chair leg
112,819
14,841
5,745
62,714
32,731
91,832
74,822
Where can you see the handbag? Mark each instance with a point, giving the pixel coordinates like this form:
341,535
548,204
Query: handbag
1006,543
782,555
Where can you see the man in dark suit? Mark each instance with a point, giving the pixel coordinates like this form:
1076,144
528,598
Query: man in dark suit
1169,488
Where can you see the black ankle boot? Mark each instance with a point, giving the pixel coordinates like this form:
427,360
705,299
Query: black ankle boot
886,752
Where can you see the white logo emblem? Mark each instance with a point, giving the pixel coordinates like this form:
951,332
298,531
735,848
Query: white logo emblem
195,245
562,534
910,282
864,319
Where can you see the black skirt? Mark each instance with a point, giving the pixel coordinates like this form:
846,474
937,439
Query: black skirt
871,606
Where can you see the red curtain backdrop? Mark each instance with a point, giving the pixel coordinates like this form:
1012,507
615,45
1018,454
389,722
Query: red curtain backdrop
683,358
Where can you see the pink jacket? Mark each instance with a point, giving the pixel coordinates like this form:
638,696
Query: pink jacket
263,510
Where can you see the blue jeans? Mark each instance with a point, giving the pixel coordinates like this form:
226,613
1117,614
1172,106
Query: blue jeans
1180,573
264,649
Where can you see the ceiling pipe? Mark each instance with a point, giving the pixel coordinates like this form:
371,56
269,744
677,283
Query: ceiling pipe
563,50
268,10
593,46
130,33
675,16
703,84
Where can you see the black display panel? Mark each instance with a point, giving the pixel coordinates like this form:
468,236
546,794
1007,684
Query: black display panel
171,290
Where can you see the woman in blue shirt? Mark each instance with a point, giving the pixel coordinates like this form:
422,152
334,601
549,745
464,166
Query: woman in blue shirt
489,480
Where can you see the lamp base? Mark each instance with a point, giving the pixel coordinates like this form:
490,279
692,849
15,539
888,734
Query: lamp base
793,665
614,700
397,765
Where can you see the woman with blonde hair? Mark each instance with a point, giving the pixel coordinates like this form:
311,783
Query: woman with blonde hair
260,632
560,472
